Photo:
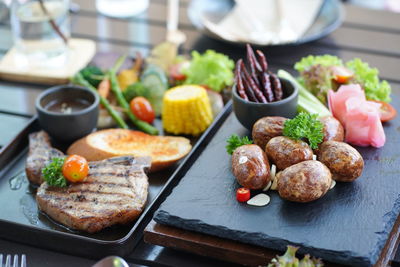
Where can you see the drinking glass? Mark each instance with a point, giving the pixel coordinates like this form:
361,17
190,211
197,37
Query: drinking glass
41,29
121,8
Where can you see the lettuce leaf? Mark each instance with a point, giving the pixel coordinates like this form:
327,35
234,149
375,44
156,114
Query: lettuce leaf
368,78
211,68
316,75
324,60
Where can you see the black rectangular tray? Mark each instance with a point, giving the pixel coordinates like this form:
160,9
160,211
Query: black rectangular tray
21,221
349,225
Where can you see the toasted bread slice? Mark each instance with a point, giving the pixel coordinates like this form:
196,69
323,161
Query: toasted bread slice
163,150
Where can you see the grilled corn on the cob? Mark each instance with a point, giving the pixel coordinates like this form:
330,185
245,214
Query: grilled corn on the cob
186,110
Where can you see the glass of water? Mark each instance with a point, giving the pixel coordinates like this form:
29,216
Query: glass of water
41,29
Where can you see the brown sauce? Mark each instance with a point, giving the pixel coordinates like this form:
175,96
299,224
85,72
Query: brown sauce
67,106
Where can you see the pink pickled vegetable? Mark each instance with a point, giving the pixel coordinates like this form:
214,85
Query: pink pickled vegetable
337,100
359,117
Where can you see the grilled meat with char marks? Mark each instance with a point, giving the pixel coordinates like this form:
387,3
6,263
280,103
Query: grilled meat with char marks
114,192
40,154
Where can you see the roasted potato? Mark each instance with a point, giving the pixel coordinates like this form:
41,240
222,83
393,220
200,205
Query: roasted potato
284,152
266,128
304,182
250,166
333,130
344,161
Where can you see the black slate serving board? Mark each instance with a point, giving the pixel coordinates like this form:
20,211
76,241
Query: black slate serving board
349,225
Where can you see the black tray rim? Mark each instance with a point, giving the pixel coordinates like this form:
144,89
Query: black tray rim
135,233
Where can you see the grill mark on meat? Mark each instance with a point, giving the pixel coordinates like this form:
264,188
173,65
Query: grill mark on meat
114,192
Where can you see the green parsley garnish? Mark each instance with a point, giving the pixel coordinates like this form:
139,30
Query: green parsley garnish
234,141
305,126
52,173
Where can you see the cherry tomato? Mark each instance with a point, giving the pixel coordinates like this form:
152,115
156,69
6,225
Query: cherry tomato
242,194
142,109
176,74
386,112
75,168
342,74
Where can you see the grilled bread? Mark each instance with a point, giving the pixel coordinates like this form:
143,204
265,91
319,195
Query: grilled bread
163,150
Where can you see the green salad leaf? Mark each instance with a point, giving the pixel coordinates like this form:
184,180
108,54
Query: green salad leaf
234,141
317,75
52,173
211,68
325,60
289,259
369,79
305,126
307,102
92,74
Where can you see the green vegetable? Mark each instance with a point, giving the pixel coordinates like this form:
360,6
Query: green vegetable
325,60
289,260
152,86
318,80
369,79
317,76
134,90
52,173
156,83
307,102
92,74
305,126
211,68
141,125
79,79
234,141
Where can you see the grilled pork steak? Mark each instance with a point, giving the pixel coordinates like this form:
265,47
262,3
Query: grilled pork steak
40,154
114,192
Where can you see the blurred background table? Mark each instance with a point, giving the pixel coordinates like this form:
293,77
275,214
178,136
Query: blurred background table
371,35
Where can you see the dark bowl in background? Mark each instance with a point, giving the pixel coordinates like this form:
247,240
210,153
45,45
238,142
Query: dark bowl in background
68,127
248,112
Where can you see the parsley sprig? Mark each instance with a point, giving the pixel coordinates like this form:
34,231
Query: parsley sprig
305,126
52,173
234,141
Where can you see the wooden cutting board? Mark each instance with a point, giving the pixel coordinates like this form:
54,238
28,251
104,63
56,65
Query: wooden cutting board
237,252
81,52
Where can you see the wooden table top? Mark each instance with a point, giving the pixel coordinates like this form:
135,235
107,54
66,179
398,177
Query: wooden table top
371,35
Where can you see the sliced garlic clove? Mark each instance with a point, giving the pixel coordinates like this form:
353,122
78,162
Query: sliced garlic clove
268,186
332,184
259,200
273,172
274,185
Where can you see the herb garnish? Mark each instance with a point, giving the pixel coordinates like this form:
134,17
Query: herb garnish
52,173
234,141
305,126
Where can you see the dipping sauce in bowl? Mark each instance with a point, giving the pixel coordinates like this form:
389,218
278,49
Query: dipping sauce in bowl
67,107
67,112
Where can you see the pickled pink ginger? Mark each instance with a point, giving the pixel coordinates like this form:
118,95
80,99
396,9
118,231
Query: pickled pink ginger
359,117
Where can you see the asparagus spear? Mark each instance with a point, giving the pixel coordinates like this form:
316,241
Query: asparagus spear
144,126
78,79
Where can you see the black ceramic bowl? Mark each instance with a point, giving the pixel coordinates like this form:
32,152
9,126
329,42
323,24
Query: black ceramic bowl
76,122
248,112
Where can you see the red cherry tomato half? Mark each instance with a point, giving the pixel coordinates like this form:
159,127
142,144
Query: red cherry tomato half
75,168
242,194
142,109
386,112
342,74
176,74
